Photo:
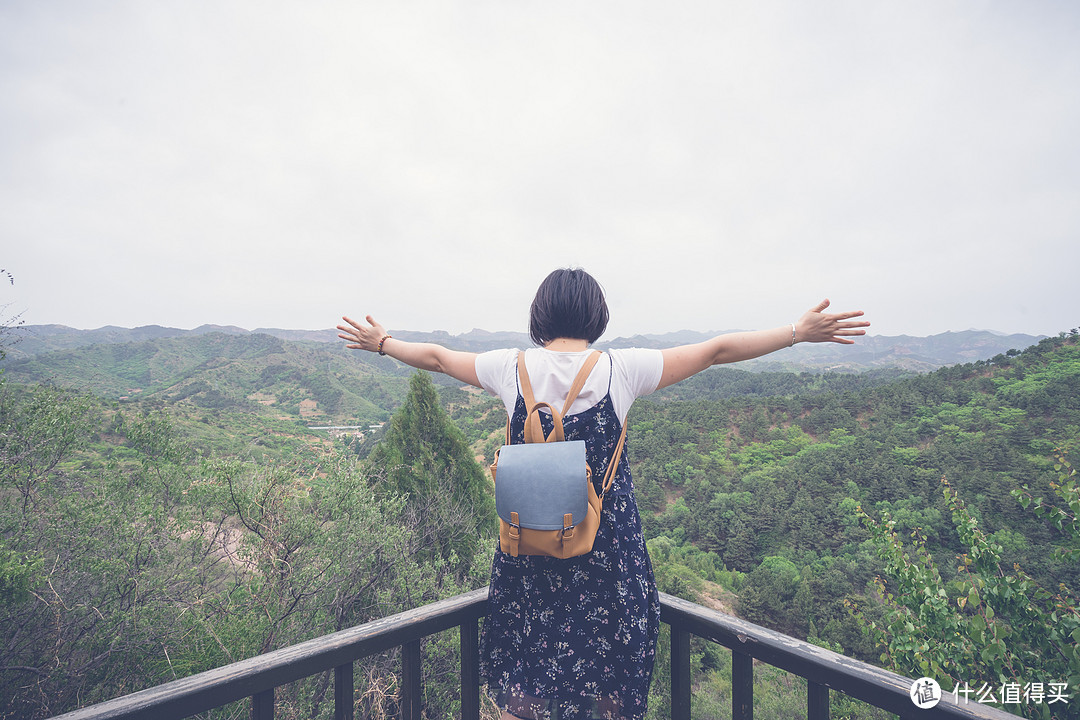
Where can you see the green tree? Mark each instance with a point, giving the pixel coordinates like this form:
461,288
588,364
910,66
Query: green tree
426,458
768,596
990,624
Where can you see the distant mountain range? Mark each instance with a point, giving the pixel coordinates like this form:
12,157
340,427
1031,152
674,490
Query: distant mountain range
310,378
919,354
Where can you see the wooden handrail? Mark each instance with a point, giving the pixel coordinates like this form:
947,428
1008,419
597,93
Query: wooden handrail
257,677
822,668
248,678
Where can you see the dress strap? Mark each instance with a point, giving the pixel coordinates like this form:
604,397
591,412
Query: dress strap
611,372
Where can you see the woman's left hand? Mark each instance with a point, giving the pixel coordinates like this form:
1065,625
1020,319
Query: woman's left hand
362,337
818,326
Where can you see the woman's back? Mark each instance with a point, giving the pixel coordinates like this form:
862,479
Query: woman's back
625,374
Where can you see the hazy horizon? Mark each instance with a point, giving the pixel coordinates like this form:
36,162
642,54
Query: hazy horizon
608,336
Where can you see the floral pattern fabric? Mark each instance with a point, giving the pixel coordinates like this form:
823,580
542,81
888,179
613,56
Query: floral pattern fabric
576,639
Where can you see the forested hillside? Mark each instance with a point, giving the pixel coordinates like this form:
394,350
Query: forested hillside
130,556
224,527
313,382
770,487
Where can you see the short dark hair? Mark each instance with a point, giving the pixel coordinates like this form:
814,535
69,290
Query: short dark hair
569,303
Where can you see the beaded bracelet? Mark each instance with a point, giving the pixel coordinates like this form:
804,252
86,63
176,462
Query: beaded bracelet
792,335
383,339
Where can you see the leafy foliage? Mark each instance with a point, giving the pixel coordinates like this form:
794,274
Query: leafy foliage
988,625
756,480
158,562
203,523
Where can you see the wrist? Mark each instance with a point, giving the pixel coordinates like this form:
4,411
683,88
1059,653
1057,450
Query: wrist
382,342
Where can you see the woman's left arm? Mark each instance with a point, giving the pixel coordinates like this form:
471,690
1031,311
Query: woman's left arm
814,326
426,356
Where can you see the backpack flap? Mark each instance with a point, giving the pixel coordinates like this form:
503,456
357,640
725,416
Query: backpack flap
541,482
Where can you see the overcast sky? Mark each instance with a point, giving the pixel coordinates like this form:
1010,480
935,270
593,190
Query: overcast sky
715,165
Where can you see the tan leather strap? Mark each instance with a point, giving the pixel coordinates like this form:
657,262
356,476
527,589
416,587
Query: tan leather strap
579,380
609,476
514,533
556,434
533,432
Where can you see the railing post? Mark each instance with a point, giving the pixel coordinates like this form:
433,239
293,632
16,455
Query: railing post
742,686
411,691
343,692
470,671
817,701
262,705
680,674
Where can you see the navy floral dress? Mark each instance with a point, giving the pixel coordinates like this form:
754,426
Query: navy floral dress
576,638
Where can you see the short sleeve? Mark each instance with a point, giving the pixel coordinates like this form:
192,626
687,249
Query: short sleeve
497,372
636,372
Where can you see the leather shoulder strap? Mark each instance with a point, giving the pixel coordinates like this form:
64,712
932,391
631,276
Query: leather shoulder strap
579,380
523,382
533,431
613,466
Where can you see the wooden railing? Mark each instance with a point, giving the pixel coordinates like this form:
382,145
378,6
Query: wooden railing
823,669
258,677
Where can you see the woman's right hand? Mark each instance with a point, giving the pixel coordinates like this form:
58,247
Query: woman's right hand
818,326
361,337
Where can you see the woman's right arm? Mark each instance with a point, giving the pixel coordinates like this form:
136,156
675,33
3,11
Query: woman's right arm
815,325
426,356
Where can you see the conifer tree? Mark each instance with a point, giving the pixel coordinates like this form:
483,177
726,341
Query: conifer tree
425,457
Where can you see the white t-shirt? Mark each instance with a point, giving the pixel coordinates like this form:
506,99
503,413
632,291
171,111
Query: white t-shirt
632,373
